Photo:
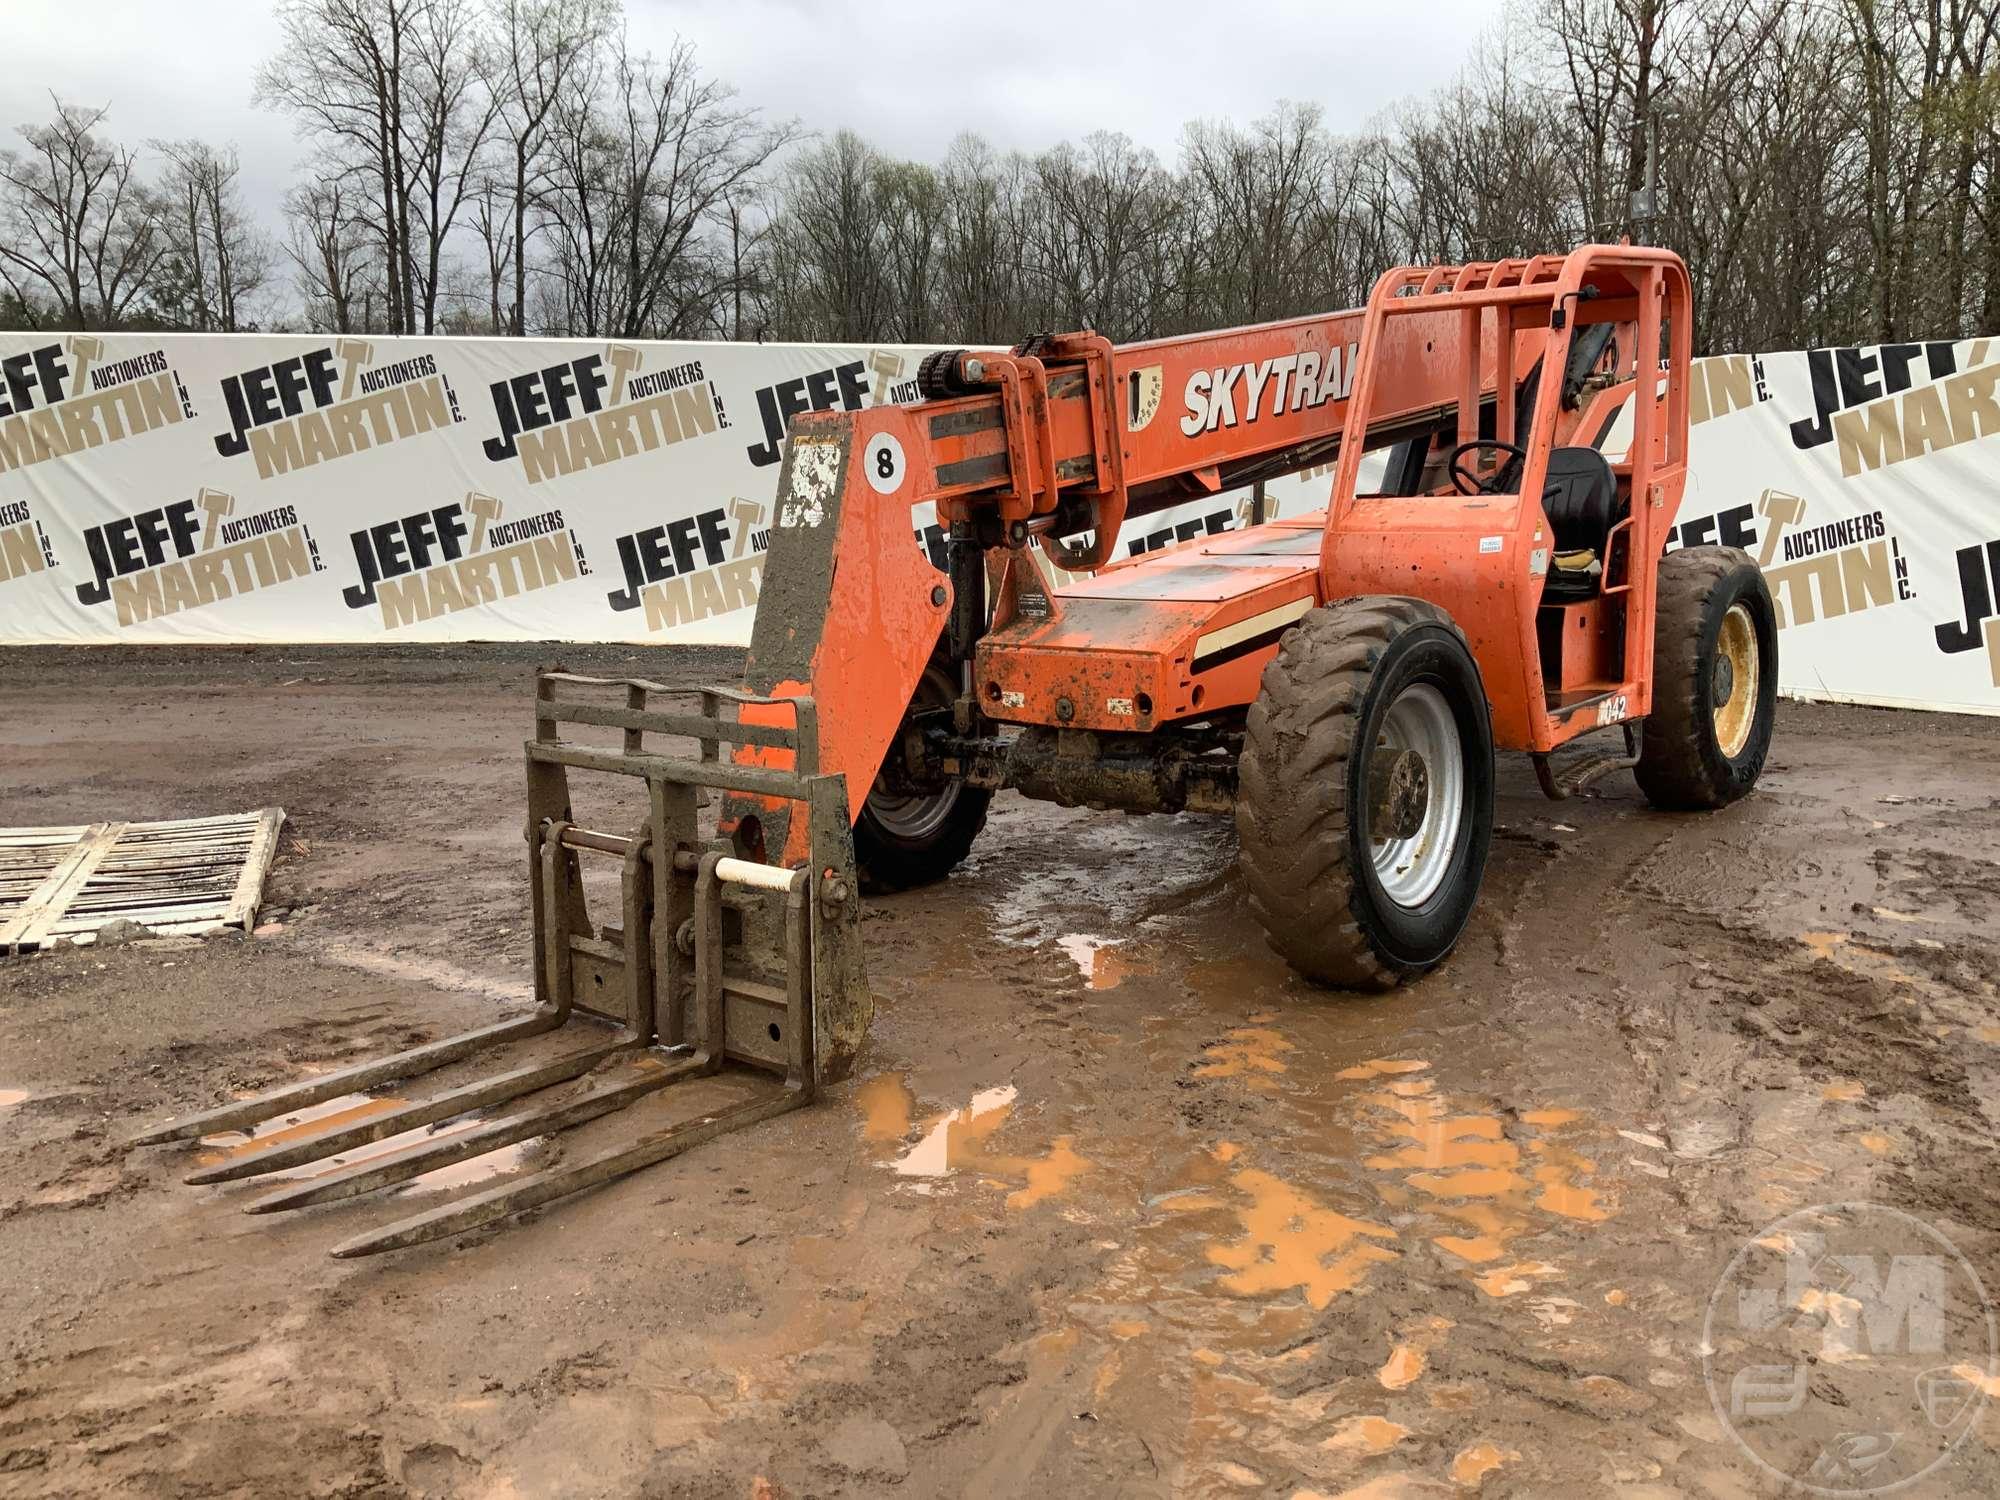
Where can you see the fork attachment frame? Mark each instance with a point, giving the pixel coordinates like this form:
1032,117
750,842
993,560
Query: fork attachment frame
715,961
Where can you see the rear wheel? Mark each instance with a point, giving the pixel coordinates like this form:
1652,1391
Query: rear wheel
1715,680
912,833
1364,808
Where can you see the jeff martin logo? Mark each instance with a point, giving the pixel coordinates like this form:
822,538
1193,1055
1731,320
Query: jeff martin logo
1883,405
459,556
694,567
1816,569
327,403
24,545
1979,601
192,553
68,397
1849,1349
845,387
595,410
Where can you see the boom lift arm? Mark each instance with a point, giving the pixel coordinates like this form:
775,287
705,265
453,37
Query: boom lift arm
1065,435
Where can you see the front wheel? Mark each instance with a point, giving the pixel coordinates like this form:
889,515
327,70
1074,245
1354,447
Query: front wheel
1715,680
909,833
1364,807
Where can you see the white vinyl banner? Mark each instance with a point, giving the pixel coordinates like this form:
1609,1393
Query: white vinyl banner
194,489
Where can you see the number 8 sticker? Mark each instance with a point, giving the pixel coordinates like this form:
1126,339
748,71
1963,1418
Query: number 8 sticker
885,463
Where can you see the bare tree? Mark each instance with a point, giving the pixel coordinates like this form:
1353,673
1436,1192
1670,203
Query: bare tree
450,111
216,257
648,158
341,274
77,225
393,91
539,46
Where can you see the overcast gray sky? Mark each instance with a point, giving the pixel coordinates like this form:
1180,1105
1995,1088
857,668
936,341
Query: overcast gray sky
907,74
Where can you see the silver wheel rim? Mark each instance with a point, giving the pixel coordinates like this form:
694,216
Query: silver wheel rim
917,815
913,816
1409,871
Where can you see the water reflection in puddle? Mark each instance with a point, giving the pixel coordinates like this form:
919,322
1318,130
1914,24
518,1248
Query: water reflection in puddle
1253,1053
1290,1240
1365,1437
11,1097
1105,962
955,1139
962,1141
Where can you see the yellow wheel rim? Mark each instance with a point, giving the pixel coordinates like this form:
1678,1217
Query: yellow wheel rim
1735,687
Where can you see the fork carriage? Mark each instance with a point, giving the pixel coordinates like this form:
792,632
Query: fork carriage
714,962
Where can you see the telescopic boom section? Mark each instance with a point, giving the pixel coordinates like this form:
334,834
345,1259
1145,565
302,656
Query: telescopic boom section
1065,438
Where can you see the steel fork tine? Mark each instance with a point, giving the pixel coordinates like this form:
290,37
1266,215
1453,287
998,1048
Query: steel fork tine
349,1080
516,1197
365,1177
476,1095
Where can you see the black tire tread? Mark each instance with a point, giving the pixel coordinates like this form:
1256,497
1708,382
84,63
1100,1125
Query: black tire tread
1291,808
885,864
885,867
1670,770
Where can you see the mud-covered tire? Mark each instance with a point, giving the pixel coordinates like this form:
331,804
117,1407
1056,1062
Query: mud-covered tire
902,841
1302,804
1705,742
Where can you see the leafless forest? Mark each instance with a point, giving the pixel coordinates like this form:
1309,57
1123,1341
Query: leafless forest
1827,167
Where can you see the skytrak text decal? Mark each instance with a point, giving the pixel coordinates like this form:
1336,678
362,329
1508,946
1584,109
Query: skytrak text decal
188,554
557,419
303,411
1297,382
59,400
455,557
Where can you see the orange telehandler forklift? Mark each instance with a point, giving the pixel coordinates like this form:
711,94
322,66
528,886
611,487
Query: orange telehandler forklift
1339,680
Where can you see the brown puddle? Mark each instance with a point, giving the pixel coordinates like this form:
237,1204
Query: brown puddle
1470,1469
1252,1053
1288,1238
1105,962
1382,1067
1470,1171
1402,1369
1366,1436
886,1106
961,1141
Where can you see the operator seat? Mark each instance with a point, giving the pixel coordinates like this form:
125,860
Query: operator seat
1580,497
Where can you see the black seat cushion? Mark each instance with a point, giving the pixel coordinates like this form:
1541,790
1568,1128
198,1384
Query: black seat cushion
1580,498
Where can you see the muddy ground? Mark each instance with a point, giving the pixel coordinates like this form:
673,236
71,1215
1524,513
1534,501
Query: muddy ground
1113,1207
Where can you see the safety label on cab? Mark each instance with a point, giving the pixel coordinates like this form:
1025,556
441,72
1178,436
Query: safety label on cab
1491,543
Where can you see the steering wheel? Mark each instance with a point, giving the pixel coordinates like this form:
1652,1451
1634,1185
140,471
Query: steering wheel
1466,482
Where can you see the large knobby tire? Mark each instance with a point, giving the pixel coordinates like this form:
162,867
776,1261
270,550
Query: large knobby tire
1715,680
1354,678
910,837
